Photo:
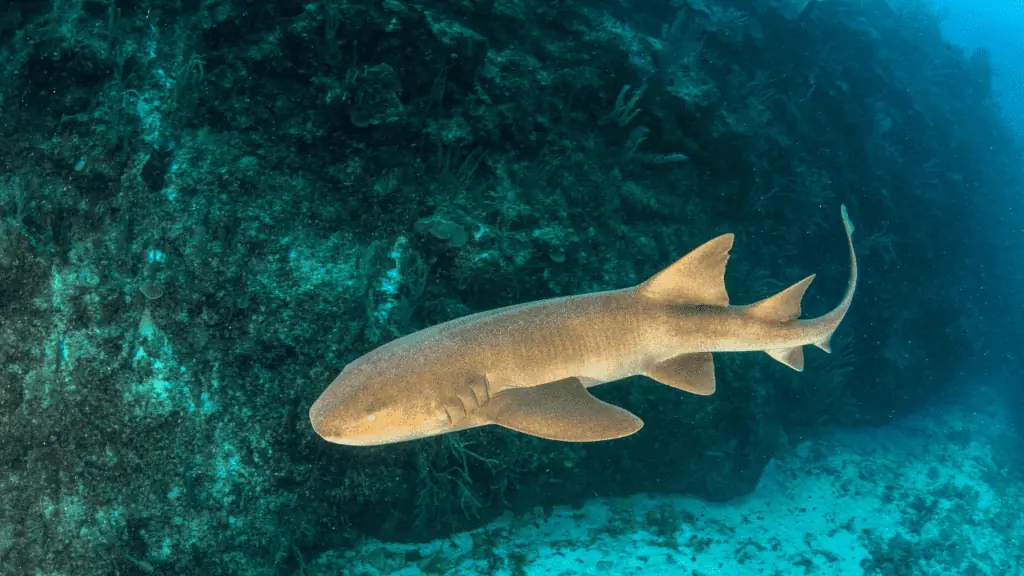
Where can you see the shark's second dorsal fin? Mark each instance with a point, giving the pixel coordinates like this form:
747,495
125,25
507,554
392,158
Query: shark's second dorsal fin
781,307
697,278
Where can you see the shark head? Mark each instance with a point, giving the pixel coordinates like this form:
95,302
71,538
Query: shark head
367,407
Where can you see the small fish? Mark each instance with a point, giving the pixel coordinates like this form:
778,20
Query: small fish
527,367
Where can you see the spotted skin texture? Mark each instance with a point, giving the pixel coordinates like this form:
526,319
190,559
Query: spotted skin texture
527,367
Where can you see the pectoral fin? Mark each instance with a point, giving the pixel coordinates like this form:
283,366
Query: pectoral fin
561,410
693,373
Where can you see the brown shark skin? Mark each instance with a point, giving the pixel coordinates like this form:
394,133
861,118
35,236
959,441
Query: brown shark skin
440,379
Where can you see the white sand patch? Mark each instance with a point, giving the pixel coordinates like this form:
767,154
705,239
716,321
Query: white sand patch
937,493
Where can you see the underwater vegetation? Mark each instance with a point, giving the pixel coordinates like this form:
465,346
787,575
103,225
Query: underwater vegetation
209,207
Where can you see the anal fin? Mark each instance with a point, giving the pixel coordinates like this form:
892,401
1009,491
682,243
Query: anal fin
693,373
792,357
825,343
561,410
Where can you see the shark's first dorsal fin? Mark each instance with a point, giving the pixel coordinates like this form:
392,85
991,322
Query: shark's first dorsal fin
697,278
781,307
561,410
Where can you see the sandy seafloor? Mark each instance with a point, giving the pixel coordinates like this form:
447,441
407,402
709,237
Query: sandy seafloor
940,492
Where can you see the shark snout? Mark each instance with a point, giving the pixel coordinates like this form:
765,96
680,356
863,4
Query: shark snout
336,416
320,418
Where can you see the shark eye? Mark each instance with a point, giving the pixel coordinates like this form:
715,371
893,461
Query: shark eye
371,417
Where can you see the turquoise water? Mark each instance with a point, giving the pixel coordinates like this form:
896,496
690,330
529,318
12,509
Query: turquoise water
510,287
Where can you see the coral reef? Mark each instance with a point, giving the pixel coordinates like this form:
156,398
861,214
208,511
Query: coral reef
208,207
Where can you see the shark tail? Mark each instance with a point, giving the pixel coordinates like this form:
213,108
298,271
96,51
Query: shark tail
785,307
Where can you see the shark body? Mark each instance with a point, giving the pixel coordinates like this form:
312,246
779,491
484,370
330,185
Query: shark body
527,367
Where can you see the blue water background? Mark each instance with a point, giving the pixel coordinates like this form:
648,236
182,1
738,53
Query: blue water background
999,26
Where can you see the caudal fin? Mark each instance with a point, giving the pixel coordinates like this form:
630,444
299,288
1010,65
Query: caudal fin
785,307
830,321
